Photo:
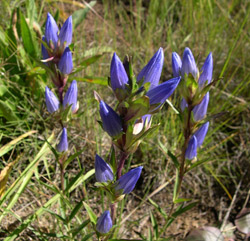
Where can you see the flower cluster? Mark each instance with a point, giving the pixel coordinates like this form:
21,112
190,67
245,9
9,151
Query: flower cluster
58,59
116,188
195,89
137,98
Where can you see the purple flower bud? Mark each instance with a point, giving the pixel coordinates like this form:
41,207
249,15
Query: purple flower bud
200,110
65,35
207,71
65,64
44,50
128,181
183,104
51,100
51,30
118,75
188,63
176,64
103,171
191,151
104,223
70,97
160,93
201,133
63,144
152,71
111,121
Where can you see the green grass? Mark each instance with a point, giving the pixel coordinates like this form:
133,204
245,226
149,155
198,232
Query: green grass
136,28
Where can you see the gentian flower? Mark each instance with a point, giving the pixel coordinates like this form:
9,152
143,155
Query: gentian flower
127,182
111,121
200,110
188,64
70,97
51,100
176,64
51,31
206,71
63,144
191,151
118,75
201,133
144,121
104,223
65,35
65,64
152,71
103,171
160,93
45,53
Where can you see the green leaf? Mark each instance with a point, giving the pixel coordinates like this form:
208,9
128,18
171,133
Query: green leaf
93,80
79,15
176,185
137,108
72,157
90,212
54,214
181,200
26,35
75,231
162,212
31,10
155,226
170,154
7,111
88,236
113,159
86,63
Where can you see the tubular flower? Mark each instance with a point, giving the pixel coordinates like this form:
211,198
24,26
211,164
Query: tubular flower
65,35
45,53
152,71
104,223
144,121
128,181
70,97
160,93
200,110
103,171
118,75
200,134
51,100
51,31
188,64
111,121
206,71
176,64
65,64
63,144
191,151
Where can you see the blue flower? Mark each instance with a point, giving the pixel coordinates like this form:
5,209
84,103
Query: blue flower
104,223
201,133
118,75
51,31
200,110
191,151
65,35
65,64
51,100
111,121
45,53
63,144
128,181
160,93
152,71
207,71
70,97
188,64
176,64
103,171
